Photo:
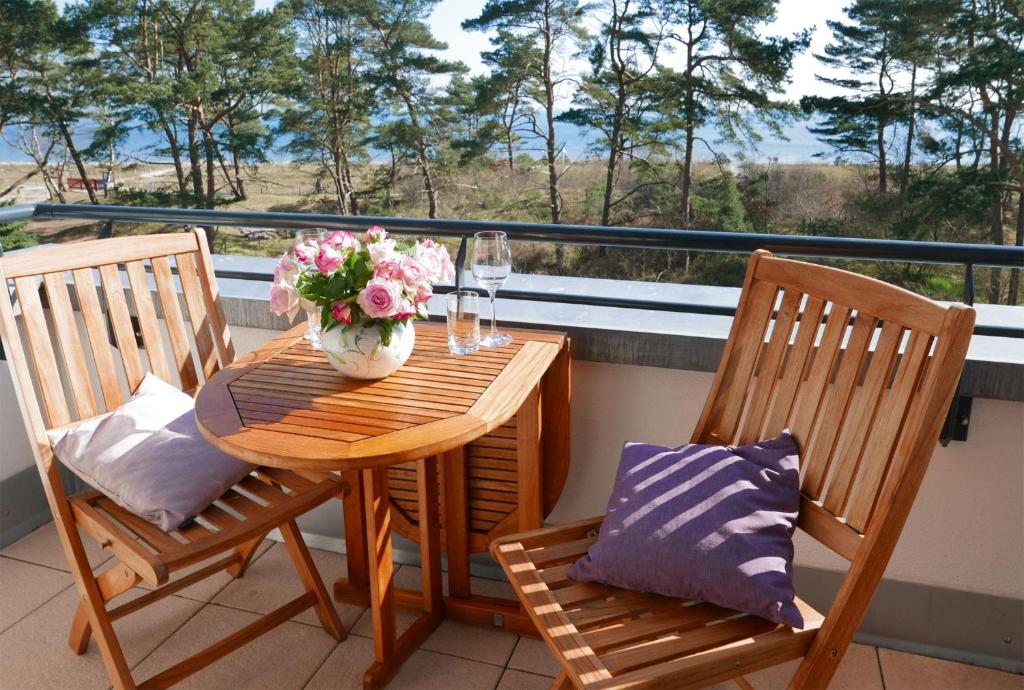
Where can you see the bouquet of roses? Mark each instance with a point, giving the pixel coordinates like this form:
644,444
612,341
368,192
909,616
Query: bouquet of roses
373,281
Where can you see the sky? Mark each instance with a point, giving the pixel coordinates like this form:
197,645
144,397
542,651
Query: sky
792,16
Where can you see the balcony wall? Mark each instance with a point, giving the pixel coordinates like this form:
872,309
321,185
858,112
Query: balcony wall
954,587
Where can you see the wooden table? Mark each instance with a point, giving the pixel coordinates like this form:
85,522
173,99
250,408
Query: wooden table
450,451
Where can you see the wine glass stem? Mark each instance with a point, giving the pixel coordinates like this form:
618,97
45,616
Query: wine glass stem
494,314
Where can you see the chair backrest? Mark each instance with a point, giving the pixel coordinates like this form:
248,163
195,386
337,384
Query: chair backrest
862,373
77,372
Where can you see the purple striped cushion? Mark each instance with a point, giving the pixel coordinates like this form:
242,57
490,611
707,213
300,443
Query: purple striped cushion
703,522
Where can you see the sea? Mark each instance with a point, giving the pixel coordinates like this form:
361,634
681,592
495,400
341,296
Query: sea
797,146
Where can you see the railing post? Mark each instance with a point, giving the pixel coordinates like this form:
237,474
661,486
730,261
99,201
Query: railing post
958,419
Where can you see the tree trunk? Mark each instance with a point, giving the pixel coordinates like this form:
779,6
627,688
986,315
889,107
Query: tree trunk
422,154
77,158
549,115
911,120
687,173
179,170
1014,296
195,164
239,182
883,178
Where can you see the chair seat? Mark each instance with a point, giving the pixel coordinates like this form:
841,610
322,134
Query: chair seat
255,505
607,637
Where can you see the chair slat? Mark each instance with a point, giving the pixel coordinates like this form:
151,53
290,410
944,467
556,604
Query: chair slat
882,441
689,642
41,347
96,330
121,322
219,517
263,490
746,339
175,323
862,417
219,325
196,305
677,620
769,370
151,334
820,445
808,402
794,366
70,344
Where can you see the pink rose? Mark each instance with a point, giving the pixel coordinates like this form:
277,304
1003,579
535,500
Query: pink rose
423,293
341,312
329,259
383,250
435,261
284,300
286,271
343,240
380,299
406,311
428,243
375,234
388,270
412,272
306,252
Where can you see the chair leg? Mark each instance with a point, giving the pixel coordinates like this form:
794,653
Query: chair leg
246,552
112,582
311,579
743,683
561,682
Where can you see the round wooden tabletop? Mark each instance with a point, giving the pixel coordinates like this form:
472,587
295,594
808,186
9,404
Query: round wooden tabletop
283,404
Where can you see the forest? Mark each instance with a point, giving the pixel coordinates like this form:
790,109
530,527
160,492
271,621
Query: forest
925,139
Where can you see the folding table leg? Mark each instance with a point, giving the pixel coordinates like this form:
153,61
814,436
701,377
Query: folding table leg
382,601
355,532
430,537
456,520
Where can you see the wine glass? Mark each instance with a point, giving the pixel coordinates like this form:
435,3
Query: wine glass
492,264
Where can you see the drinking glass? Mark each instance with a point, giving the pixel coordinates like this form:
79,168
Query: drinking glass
312,313
463,321
492,264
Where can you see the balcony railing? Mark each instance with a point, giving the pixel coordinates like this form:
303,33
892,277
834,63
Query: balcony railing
966,255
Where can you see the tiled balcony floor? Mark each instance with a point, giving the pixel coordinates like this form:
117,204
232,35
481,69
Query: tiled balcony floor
37,600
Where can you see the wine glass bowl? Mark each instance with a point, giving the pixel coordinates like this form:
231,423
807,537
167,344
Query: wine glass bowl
491,266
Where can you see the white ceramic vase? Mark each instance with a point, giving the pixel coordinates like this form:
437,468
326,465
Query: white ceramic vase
357,351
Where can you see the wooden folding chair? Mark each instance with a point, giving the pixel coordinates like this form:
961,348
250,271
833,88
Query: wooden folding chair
866,420
64,371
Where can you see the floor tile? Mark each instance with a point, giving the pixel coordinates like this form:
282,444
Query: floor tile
489,645
36,654
42,547
518,680
858,671
272,581
534,656
286,657
424,670
344,668
206,590
410,577
904,671
26,587
403,619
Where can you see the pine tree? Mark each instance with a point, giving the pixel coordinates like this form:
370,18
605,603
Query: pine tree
871,49
730,76
403,75
328,117
549,27
620,97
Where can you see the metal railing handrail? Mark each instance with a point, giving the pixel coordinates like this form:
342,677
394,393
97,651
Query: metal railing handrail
967,255
637,238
